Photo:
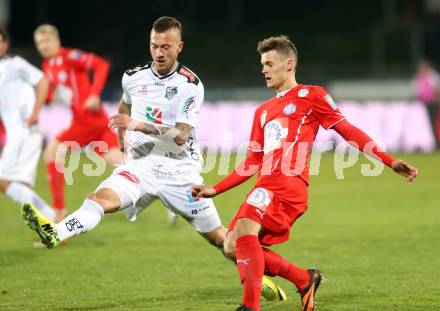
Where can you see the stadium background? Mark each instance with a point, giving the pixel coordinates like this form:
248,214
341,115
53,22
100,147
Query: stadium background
375,238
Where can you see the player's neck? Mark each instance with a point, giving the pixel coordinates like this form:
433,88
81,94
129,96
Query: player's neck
164,73
287,85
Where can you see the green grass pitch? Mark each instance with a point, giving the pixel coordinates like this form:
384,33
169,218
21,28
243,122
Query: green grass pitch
375,238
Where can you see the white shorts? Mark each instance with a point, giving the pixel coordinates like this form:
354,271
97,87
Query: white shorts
20,157
139,182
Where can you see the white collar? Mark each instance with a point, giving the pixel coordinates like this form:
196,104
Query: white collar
281,94
172,71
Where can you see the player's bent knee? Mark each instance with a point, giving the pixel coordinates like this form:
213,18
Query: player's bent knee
107,198
246,226
216,237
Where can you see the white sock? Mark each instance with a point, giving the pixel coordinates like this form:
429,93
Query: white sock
82,220
21,194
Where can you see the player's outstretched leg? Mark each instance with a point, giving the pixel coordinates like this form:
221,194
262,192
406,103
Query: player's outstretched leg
82,220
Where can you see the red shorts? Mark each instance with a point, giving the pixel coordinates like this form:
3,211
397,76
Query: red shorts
272,211
84,134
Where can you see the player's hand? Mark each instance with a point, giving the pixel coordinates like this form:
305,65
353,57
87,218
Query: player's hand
93,103
121,121
32,120
202,191
404,169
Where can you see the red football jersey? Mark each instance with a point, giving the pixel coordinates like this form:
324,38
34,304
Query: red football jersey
285,127
70,68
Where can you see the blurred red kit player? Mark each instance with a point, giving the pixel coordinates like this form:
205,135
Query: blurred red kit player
283,131
68,73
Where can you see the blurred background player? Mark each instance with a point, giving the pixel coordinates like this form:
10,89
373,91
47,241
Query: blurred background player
23,90
68,72
426,85
283,131
158,115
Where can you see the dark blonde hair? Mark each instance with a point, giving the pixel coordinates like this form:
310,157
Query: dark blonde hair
164,23
281,44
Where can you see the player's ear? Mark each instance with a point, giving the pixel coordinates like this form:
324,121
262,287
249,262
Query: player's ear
180,48
290,64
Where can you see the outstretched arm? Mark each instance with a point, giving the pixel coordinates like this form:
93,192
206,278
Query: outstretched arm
242,172
363,142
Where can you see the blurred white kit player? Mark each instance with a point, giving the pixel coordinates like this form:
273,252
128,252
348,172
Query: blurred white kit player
19,107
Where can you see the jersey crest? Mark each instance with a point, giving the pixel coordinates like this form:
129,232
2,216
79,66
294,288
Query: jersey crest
170,92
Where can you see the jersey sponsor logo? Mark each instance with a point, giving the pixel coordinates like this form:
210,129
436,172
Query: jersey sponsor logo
189,75
129,176
188,105
263,118
260,198
170,92
330,101
303,92
275,133
154,115
289,109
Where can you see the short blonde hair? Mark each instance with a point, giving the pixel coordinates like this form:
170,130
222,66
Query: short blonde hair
47,28
282,44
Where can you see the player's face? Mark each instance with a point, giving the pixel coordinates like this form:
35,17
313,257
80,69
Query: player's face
47,44
277,69
164,49
3,47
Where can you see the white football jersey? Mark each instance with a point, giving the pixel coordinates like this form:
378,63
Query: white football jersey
163,101
17,95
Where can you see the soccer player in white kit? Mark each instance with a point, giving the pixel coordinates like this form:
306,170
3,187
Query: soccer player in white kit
23,90
158,114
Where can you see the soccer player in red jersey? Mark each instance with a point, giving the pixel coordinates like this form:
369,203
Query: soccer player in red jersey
281,128
68,73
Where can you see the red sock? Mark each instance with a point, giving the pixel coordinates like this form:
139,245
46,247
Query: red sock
250,264
276,265
56,183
